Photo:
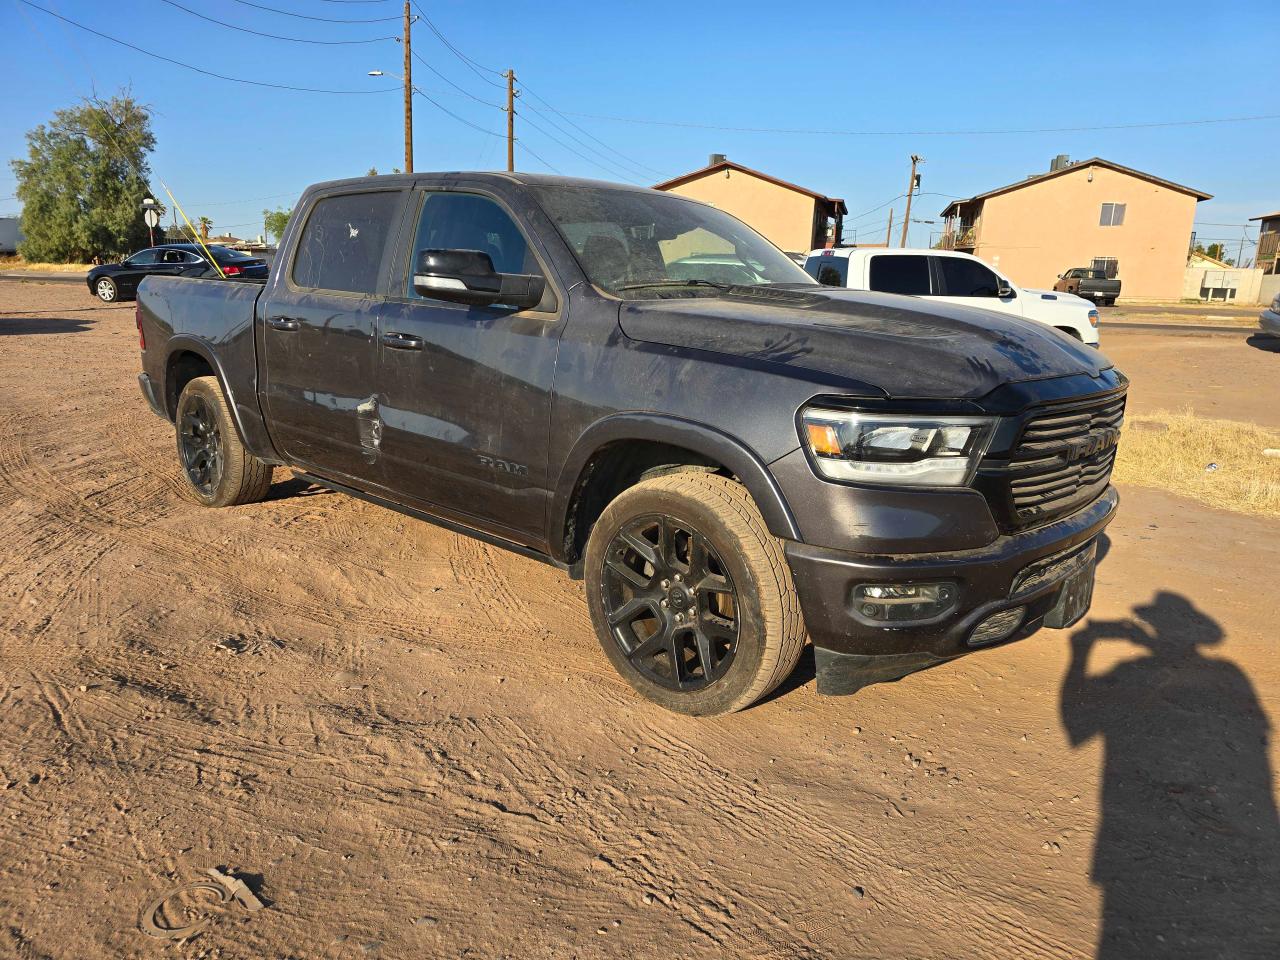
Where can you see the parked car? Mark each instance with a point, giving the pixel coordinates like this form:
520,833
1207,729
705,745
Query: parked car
1092,285
731,468
951,278
119,281
1269,320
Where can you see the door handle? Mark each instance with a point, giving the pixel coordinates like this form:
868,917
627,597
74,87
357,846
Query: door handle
402,341
284,323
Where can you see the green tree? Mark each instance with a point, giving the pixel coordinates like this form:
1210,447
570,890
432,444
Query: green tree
373,172
276,221
1219,252
204,223
84,180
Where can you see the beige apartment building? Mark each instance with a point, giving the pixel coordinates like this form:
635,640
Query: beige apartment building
795,218
1093,213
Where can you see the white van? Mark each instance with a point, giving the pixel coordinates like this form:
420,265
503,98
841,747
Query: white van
954,278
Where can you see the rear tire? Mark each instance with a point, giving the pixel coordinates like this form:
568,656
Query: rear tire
691,596
216,469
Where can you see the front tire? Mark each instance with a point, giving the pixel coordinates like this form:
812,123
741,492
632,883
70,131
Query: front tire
106,290
691,596
217,470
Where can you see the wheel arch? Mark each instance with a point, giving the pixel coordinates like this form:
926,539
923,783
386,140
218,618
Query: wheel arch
188,358
618,451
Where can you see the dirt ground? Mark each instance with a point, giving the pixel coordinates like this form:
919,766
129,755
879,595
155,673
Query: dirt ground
410,744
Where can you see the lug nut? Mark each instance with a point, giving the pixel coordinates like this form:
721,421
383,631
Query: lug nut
665,584
679,576
663,602
679,618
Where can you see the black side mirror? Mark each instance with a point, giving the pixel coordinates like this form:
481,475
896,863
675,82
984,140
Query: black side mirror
467,276
1003,290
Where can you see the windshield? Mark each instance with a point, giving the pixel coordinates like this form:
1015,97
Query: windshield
644,244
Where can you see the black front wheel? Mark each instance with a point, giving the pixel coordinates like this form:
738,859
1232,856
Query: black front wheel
217,470
691,596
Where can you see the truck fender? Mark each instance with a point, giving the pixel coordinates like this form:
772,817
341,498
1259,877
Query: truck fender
252,432
675,431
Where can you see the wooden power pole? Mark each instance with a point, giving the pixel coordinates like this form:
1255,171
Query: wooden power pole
911,190
888,234
511,120
408,92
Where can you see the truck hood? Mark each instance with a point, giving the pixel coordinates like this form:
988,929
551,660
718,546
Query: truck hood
899,346
1059,298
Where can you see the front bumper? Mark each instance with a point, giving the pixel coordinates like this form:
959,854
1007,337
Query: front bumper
851,652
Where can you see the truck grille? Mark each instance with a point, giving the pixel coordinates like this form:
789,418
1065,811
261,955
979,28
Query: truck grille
1061,460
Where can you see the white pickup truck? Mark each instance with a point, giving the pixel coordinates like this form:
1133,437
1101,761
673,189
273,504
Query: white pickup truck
953,278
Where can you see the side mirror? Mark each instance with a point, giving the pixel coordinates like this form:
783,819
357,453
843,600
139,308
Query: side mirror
467,276
1003,290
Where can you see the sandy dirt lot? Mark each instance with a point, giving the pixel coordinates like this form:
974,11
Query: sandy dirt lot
410,745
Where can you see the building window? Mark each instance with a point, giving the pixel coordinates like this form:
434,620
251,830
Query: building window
1112,215
1109,266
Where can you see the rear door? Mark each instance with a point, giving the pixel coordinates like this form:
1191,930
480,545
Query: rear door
465,392
902,273
972,284
319,336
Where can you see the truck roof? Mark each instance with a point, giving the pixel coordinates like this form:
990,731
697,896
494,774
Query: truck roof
849,252
499,176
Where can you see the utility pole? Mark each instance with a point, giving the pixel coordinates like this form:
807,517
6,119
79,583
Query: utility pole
511,120
911,189
408,92
888,234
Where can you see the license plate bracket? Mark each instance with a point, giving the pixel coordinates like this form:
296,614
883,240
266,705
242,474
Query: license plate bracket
1074,598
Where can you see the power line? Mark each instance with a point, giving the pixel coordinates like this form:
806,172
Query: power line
443,109
466,93
304,16
535,156
918,133
474,66
634,163
187,66
579,154
272,36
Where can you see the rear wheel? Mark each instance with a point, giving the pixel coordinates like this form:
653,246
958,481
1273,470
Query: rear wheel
691,596
106,290
218,471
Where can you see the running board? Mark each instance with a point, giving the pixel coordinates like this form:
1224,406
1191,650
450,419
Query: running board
451,525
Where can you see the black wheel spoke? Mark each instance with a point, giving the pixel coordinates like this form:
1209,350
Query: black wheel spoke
660,639
630,610
643,547
705,655
633,577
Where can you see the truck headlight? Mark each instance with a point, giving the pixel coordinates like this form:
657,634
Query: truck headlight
898,449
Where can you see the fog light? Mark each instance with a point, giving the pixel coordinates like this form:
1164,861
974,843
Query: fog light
997,626
894,602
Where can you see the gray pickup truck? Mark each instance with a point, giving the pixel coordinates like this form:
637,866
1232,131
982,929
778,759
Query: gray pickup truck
642,391
1090,284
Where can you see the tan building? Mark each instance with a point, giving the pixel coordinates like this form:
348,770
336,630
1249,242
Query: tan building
796,219
1093,213
1268,258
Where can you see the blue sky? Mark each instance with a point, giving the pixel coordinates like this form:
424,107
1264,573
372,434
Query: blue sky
229,149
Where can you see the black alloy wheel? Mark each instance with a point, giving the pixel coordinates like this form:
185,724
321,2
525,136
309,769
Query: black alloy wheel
200,441
670,603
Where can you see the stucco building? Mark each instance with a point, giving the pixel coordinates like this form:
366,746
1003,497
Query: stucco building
1093,213
793,217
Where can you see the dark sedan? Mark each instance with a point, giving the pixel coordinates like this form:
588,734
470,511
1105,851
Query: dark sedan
119,281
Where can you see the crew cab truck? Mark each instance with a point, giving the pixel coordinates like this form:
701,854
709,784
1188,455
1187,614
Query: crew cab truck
731,467
951,277
1090,284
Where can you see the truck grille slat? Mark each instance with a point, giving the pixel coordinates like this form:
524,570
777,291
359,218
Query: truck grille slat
1062,459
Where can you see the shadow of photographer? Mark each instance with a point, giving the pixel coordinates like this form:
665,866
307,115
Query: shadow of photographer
1187,853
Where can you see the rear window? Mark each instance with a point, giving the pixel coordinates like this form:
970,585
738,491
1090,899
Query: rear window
906,274
342,244
828,271
225,254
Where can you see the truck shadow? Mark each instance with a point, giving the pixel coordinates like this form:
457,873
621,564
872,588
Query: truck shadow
1187,850
22,326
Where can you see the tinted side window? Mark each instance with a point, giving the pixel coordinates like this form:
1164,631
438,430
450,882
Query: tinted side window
145,257
965,278
467,221
828,271
343,241
906,274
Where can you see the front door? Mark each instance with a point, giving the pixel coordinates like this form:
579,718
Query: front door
319,337
972,284
465,392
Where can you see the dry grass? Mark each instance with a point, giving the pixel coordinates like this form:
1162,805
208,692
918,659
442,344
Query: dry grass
17,263
1170,451
1206,319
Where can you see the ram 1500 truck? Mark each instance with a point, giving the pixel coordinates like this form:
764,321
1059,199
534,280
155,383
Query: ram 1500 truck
731,467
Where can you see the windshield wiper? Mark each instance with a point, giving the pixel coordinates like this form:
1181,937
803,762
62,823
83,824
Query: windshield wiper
675,283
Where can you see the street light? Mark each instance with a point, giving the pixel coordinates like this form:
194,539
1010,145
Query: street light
408,111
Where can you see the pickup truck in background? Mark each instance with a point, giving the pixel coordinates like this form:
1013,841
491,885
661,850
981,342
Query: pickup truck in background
732,468
951,277
1093,285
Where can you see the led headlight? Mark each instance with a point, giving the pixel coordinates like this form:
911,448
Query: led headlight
900,449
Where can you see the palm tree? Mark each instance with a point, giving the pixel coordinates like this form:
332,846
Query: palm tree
205,224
